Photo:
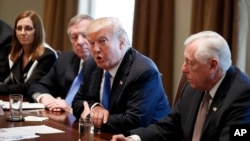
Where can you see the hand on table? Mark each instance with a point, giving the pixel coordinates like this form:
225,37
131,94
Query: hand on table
121,137
57,105
98,115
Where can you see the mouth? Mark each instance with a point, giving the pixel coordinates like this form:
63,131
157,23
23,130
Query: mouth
99,59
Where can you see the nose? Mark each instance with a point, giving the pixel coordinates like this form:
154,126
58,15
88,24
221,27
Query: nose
95,47
184,68
81,40
23,30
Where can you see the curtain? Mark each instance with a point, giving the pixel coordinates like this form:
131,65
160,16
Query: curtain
220,16
153,33
57,14
243,57
217,15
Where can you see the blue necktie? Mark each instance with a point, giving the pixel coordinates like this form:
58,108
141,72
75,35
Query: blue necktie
74,88
106,90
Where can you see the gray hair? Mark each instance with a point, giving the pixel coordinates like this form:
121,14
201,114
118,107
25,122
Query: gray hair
76,19
115,25
211,44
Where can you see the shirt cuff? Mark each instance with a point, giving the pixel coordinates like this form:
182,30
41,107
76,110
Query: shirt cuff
38,96
95,104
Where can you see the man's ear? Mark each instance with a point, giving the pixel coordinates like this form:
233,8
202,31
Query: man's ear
214,64
122,43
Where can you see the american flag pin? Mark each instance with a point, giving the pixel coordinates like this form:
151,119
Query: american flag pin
214,109
121,82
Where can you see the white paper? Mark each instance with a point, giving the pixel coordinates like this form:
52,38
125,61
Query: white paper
25,132
35,118
26,105
44,129
15,134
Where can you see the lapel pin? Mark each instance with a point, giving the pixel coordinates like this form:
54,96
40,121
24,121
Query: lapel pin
121,82
214,109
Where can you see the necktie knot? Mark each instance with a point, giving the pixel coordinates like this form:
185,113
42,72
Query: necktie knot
207,96
107,75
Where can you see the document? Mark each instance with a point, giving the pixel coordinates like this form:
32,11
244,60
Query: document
26,105
25,132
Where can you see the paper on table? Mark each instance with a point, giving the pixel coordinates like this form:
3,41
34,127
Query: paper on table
35,118
15,134
44,129
26,105
18,133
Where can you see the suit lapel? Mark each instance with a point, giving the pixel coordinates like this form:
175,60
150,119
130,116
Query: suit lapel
95,83
121,77
71,72
219,98
192,111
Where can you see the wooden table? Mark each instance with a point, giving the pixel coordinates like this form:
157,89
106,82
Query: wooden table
60,120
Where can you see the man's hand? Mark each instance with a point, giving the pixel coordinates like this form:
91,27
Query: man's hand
47,99
98,115
121,137
59,105
86,110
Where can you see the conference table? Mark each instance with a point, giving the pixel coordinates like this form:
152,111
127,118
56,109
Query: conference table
60,120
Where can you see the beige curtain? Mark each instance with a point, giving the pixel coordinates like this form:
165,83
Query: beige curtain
153,35
217,15
243,57
57,14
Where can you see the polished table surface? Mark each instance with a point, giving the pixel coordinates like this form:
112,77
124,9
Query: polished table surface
60,120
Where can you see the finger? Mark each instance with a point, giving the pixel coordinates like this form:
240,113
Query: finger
105,117
118,137
96,119
86,110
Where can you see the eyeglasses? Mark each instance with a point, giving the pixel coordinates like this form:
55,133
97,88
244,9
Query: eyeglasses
25,28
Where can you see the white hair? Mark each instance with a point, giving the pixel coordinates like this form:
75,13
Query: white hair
112,22
211,44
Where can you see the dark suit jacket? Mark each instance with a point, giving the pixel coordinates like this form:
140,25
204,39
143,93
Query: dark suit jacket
19,81
230,105
137,95
59,79
6,32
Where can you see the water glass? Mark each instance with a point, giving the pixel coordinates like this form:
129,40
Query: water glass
15,103
86,130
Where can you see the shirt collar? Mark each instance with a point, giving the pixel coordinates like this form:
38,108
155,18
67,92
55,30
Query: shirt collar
216,86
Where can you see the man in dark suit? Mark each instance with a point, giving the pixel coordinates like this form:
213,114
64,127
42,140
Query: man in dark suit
208,68
6,32
137,97
53,88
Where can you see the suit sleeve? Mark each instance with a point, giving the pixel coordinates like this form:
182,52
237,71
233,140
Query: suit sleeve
142,92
